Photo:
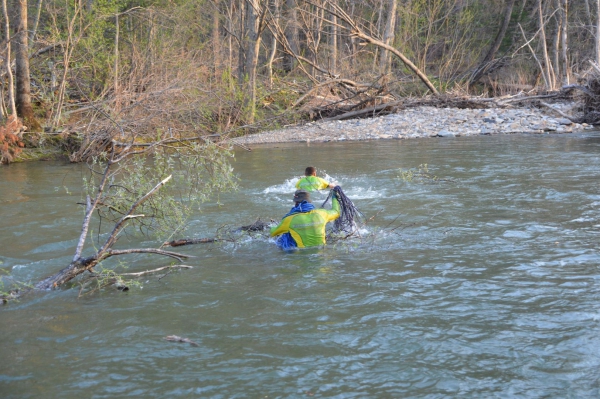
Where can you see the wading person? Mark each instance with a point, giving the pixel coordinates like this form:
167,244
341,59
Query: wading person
310,182
304,225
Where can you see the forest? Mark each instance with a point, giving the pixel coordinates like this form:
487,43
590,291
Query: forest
80,74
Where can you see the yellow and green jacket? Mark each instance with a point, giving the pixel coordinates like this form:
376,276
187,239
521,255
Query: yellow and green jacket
308,228
312,183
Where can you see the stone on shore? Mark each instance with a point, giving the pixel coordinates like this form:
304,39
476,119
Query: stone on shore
421,122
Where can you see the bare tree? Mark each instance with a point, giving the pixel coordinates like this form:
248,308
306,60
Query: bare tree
547,70
291,35
564,14
255,17
216,40
333,44
597,32
36,21
11,83
388,36
23,79
275,9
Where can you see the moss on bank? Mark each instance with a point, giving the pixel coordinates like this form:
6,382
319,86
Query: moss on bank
41,154
44,147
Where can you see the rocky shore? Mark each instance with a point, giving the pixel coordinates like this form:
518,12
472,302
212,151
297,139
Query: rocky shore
425,121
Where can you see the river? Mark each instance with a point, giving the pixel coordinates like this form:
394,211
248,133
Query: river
484,284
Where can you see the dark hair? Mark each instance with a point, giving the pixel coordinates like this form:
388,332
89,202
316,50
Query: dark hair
301,195
309,171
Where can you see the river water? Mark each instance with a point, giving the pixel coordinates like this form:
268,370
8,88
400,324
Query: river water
483,285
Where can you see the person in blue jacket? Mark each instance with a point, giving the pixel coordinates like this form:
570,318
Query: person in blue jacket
304,225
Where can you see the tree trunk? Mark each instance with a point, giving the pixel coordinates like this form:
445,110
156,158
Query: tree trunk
216,42
68,273
483,67
252,47
313,37
352,38
564,5
229,28
116,68
11,83
556,43
36,21
242,42
388,36
588,14
276,11
333,45
597,32
291,35
550,78
23,86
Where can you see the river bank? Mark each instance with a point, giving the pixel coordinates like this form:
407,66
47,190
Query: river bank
427,121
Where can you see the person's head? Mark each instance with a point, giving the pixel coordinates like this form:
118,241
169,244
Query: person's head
300,196
310,171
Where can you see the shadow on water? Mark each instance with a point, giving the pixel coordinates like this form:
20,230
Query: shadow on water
486,286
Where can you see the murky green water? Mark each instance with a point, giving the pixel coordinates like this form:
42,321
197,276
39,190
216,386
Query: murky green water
487,286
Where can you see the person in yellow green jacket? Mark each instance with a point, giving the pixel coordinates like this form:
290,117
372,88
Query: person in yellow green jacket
304,225
310,182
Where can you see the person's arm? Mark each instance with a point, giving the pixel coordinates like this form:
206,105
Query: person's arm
335,205
281,228
323,184
334,212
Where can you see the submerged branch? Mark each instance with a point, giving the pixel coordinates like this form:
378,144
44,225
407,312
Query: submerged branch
258,225
175,255
190,241
157,270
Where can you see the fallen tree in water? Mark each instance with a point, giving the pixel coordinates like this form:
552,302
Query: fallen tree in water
80,264
127,187
144,179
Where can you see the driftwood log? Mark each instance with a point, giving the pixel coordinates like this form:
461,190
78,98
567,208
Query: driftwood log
258,225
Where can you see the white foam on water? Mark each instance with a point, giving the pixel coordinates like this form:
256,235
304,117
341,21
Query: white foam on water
329,178
287,187
354,187
359,193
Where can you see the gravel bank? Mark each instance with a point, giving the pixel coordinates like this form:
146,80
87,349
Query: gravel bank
425,121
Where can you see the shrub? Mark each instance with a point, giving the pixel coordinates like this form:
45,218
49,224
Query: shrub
10,142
